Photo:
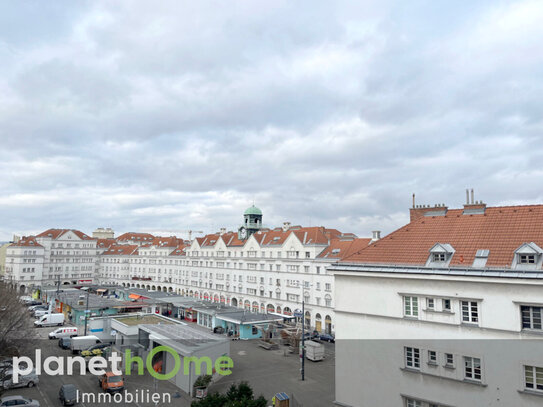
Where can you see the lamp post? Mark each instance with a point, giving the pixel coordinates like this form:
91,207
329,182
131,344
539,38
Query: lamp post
87,312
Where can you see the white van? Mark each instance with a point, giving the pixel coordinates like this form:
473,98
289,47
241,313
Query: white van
65,332
80,343
50,320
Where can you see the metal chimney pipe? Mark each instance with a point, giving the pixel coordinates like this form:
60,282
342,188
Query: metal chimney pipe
467,196
472,196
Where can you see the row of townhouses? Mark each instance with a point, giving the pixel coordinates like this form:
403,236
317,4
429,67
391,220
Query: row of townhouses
255,268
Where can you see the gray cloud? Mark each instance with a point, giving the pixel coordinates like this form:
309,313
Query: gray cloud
176,115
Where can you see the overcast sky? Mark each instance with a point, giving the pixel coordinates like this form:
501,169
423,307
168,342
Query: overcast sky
175,115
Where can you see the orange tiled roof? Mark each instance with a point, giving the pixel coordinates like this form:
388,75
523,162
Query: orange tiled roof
339,249
171,241
180,250
501,230
27,241
142,237
56,233
101,243
121,250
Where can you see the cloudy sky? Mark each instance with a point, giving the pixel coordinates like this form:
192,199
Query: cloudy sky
175,115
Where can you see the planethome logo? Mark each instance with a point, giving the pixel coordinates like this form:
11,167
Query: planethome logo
56,366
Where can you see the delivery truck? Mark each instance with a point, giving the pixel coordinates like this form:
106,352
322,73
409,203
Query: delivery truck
49,320
80,343
314,351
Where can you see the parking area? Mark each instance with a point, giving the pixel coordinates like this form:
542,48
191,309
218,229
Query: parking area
272,371
267,371
46,392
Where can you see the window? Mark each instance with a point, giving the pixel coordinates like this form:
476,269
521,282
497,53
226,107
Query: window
411,306
533,378
306,269
526,258
430,303
470,311
413,403
318,270
446,304
432,357
472,368
307,255
449,360
412,357
531,317
328,287
439,257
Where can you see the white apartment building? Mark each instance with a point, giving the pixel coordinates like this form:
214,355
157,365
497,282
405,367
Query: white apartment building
444,312
24,262
70,256
255,268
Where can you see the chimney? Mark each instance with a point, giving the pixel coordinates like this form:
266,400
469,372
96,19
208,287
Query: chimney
473,207
286,226
426,210
222,231
376,235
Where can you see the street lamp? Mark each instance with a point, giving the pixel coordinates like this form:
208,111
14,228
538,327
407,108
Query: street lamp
303,330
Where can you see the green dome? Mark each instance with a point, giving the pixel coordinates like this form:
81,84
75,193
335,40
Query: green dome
253,210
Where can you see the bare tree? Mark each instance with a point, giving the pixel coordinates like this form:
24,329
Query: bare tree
15,327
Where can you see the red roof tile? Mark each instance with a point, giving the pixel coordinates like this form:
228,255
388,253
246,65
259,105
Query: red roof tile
122,250
501,230
27,241
140,237
339,249
56,233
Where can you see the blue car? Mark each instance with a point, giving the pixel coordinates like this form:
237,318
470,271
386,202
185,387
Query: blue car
327,337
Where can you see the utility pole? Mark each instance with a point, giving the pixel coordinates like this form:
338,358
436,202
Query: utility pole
87,312
303,333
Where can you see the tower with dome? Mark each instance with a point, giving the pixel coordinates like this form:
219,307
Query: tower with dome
252,222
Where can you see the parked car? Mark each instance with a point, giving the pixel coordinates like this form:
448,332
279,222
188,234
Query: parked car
40,312
34,308
327,337
65,343
68,394
32,303
311,335
111,382
29,380
64,332
95,350
18,401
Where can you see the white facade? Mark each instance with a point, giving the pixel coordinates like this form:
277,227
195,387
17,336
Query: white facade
249,276
24,262
398,327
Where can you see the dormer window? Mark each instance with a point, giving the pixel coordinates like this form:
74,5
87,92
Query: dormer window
526,258
440,255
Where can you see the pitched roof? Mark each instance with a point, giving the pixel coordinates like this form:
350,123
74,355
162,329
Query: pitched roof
56,233
121,250
26,241
339,248
142,237
101,243
180,250
500,230
170,241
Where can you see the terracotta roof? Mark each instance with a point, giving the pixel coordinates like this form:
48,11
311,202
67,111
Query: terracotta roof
101,243
231,239
121,250
171,241
56,233
339,249
141,237
27,241
180,250
501,230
